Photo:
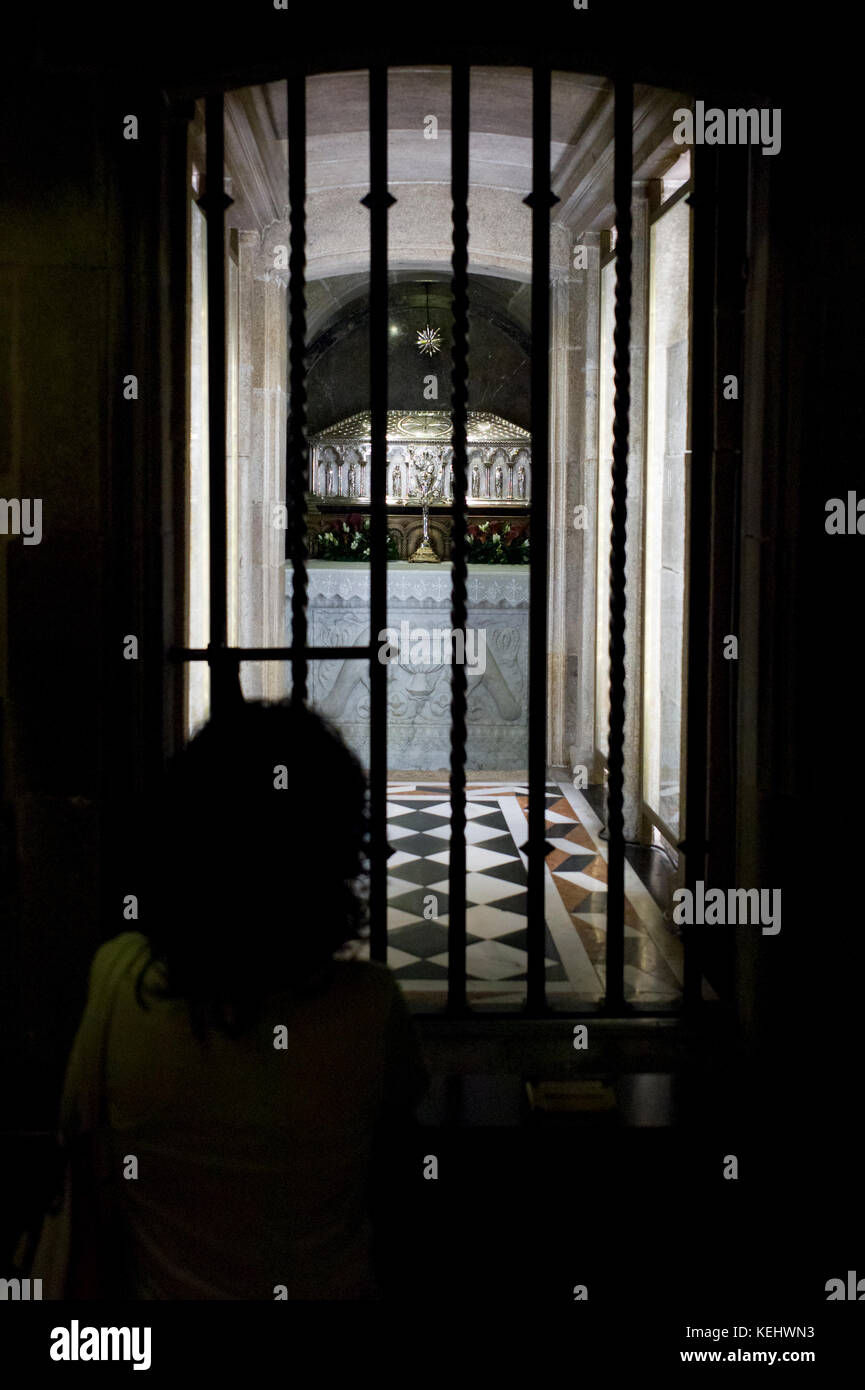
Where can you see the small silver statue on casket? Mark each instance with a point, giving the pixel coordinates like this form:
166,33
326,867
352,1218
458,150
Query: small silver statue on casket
428,486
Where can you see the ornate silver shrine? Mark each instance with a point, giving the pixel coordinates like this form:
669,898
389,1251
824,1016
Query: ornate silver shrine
418,448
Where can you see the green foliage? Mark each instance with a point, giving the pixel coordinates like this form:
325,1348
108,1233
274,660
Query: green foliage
347,538
495,542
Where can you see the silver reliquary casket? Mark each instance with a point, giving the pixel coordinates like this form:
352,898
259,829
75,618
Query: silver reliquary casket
419,460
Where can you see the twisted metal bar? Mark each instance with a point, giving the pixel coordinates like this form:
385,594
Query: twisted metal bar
459,599
615,955
298,447
540,200
378,200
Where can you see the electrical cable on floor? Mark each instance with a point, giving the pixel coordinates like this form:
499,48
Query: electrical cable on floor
637,844
659,849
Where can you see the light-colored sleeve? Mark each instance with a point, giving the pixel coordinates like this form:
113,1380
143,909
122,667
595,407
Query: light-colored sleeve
80,1105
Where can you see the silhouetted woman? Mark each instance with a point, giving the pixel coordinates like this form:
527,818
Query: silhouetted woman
245,1068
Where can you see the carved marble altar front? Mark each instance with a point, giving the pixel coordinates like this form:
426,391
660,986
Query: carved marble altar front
418,695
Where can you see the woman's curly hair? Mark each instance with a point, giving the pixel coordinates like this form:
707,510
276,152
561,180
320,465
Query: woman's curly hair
258,841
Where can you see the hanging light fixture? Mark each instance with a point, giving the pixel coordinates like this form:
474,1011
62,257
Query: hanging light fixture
429,339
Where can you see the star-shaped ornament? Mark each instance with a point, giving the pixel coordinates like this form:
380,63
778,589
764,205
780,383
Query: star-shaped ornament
429,341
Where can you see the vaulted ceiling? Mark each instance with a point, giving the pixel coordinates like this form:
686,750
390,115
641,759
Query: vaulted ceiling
500,149
419,170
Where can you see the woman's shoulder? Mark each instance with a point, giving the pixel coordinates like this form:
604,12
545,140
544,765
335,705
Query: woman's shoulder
370,976
118,954
122,944
348,988
363,983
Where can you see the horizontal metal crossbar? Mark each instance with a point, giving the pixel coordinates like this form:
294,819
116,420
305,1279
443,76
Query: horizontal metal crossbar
272,653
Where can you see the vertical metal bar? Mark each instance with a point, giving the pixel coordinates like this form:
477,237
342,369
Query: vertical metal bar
214,203
297,463
378,200
615,959
459,417
540,200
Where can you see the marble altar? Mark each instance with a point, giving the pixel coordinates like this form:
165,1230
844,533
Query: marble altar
418,699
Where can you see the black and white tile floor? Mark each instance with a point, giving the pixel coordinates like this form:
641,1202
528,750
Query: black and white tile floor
496,881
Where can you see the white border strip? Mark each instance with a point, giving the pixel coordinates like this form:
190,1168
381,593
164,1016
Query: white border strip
636,892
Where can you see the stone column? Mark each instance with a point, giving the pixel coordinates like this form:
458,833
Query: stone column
275,407
261,466
246,612
573,484
561,619
574,399
635,528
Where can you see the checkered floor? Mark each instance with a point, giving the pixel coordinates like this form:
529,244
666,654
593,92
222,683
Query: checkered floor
496,880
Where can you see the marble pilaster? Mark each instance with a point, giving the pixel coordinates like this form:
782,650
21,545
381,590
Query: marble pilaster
573,483
635,527
262,410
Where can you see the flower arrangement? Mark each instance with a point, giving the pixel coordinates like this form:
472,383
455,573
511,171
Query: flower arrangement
493,542
347,538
